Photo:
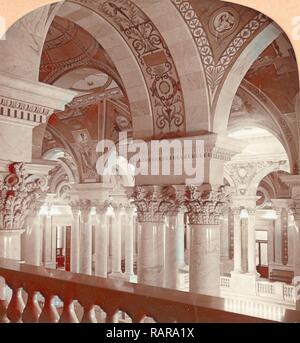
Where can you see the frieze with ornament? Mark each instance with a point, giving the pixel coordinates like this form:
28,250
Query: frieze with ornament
19,193
22,110
153,57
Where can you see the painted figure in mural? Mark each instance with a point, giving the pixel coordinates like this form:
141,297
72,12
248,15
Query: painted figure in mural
86,152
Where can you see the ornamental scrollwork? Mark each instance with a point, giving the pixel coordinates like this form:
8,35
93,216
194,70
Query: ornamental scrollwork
153,57
223,22
19,192
153,204
205,207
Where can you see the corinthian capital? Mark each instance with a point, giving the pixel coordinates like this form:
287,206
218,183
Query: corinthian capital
19,193
153,203
205,205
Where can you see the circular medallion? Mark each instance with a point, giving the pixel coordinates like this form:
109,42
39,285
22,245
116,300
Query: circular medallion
224,21
164,87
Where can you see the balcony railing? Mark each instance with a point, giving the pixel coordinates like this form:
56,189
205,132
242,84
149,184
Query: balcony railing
46,295
269,300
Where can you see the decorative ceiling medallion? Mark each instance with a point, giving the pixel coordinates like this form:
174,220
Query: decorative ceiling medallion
224,21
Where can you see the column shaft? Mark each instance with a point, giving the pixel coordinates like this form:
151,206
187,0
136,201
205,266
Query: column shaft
171,266
129,244
237,257
116,242
101,244
251,242
75,240
205,259
85,242
150,265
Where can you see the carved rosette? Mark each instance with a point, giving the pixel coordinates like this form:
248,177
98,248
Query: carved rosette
205,207
19,194
154,203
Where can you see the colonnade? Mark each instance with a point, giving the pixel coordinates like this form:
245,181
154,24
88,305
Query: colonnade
161,230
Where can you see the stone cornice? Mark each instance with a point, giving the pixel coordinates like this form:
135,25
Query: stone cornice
37,167
33,97
89,99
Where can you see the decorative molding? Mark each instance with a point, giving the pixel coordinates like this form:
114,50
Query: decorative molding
154,59
37,94
89,99
204,207
243,173
22,110
215,70
19,194
154,203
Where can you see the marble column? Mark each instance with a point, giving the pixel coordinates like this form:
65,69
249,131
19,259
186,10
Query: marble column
31,249
251,242
150,267
129,243
237,255
75,239
151,227
171,266
48,238
297,241
101,242
277,235
188,243
293,181
205,206
180,239
10,244
85,238
116,231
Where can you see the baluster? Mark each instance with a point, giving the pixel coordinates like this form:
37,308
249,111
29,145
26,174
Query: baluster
89,314
3,311
112,317
49,313
138,317
16,305
32,310
68,315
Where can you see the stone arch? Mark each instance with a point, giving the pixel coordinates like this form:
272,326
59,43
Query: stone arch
123,59
58,154
24,41
239,123
238,72
284,134
263,172
184,51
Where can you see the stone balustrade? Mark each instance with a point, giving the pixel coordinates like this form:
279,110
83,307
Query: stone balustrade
65,293
277,291
265,299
